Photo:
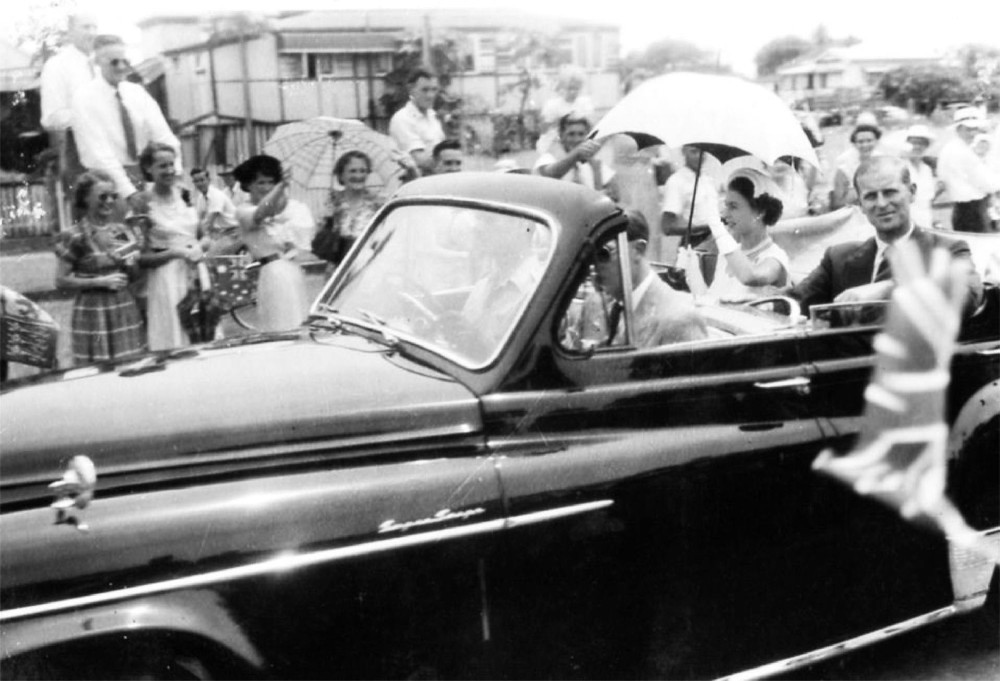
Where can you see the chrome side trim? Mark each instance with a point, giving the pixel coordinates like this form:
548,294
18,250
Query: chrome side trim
828,652
556,513
292,561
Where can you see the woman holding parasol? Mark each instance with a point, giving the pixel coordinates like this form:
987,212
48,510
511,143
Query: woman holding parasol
348,210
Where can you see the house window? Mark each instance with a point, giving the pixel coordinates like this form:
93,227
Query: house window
485,53
580,53
611,51
823,81
810,82
381,62
290,67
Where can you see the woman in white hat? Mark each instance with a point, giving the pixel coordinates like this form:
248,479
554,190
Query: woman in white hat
918,139
751,263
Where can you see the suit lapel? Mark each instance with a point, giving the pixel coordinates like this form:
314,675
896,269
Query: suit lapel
860,264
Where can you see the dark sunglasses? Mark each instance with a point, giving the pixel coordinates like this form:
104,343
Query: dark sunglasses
605,254
108,197
120,61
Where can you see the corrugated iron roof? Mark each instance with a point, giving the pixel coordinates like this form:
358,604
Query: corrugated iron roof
338,41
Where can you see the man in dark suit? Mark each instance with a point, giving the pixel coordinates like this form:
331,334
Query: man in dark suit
859,271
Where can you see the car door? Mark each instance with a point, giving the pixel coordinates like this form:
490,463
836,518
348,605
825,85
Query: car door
365,566
874,544
660,500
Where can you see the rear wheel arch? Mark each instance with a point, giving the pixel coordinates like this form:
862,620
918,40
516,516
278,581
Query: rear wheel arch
975,458
181,633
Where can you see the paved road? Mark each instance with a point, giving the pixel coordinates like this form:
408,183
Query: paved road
960,649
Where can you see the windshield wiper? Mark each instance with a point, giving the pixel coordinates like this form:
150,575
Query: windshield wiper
391,341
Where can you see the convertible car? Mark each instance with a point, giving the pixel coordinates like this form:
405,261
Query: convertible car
447,471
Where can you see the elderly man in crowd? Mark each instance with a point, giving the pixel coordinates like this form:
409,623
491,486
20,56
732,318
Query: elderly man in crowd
415,127
62,74
115,119
861,271
969,180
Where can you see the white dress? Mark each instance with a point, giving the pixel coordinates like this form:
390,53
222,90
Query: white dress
727,288
174,224
282,298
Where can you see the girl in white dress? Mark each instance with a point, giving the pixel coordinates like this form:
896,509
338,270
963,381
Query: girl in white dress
171,246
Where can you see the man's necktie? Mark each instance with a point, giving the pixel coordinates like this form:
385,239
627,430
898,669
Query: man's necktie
882,271
127,127
614,317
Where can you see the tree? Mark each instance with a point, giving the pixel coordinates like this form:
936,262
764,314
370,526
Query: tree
780,51
532,52
927,86
981,64
40,30
673,55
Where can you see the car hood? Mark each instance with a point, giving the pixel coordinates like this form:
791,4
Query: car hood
267,400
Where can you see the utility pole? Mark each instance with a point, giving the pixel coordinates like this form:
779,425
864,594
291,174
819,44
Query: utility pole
426,56
247,105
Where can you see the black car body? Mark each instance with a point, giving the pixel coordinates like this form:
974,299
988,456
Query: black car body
392,490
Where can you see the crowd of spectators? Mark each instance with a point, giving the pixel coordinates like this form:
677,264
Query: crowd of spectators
139,233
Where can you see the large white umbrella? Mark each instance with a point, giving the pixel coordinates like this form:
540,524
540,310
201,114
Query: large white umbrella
725,116
311,148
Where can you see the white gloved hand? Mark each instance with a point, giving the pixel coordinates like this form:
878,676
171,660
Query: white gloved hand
723,239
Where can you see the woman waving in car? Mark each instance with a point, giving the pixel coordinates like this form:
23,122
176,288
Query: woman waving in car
750,263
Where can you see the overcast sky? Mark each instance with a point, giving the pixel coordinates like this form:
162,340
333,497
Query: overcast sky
735,29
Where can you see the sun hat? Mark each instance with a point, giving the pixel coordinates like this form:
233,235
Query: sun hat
919,131
970,117
867,118
762,182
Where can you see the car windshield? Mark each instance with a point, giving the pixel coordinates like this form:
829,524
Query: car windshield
452,277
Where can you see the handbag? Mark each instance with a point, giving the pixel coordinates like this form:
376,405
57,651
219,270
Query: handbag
328,243
199,310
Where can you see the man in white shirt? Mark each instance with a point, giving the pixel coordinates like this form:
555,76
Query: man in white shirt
216,215
573,158
968,179
415,127
678,194
62,74
230,187
115,119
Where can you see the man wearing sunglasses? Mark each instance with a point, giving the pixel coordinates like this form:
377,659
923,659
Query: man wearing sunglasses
114,119
660,315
